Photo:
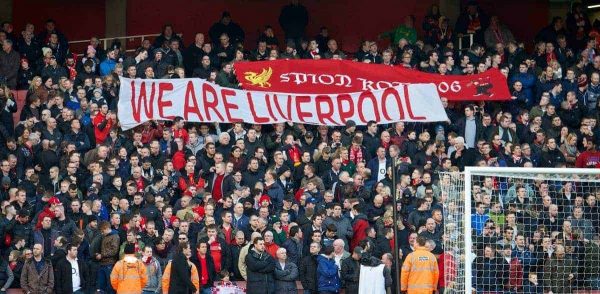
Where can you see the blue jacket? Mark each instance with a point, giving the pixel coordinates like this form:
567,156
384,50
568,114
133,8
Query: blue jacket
528,80
107,66
81,141
275,192
591,97
327,272
242,223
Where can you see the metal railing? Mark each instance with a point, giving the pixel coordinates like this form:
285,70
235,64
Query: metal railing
125,40
461,46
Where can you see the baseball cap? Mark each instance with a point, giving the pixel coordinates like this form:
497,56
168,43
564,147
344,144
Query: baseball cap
312,200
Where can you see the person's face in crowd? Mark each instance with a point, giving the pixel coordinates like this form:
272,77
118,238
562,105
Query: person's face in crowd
260,245
46,223
224,40
149,72
38,250
520,241
314,248
595,79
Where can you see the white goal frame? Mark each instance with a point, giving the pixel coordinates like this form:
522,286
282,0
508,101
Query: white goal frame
501,171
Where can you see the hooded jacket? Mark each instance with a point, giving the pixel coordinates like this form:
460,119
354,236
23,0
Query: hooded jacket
420,272
327,271
154,274
129,275
359,224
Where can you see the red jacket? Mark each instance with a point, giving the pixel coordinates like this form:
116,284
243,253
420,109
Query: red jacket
588,159
271,248
360,224
102,127
447,269
515,274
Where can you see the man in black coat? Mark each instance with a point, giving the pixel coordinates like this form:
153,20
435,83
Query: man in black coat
350,271
9,64
66,268
202,252
261,267
293,20
308,268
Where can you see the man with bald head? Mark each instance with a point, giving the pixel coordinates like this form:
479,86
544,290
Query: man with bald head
240,220
286,273
376,209
339,253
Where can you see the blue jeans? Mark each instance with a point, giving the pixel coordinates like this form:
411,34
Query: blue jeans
103,279
206,291
148,292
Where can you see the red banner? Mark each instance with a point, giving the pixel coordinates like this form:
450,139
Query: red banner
344,76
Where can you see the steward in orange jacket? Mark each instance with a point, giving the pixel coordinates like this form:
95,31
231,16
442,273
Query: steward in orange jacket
129,274
420,271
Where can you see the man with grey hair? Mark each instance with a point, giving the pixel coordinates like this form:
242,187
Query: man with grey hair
286,273
463,156
9,64
339,253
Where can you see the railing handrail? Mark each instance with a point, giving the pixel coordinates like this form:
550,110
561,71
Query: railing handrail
112,38
105,41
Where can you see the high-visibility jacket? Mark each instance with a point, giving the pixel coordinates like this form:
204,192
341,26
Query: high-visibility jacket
420,272
129,275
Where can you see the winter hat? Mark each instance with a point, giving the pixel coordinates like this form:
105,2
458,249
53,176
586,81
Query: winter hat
98,90
46,51
264,197
54,201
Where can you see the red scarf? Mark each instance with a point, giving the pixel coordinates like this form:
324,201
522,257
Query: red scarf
550,57
474,24
385,145
498,35
356,155
295,155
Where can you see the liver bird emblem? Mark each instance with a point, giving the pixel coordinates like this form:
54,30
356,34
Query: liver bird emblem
261,79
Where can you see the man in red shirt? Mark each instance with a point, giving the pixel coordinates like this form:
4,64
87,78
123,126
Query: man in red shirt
216,181
219,251
590,157
179,131
103,122
205,265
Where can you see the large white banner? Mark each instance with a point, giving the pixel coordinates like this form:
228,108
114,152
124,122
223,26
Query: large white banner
197,100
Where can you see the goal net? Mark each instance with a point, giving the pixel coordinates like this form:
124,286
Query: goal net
520,230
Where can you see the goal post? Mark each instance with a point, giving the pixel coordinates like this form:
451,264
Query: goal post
510,230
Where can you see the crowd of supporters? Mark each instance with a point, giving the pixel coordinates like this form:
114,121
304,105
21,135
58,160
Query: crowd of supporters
84,204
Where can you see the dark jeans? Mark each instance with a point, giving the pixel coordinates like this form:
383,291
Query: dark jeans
103,279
